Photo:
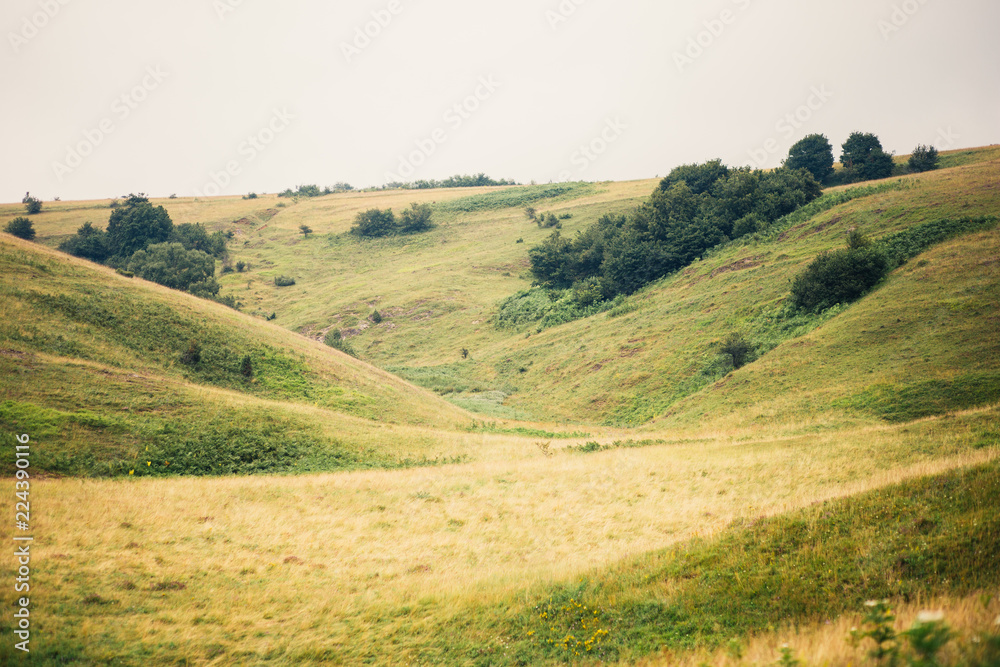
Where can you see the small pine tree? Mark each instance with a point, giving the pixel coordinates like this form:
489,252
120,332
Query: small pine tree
246,367
21,228
377,317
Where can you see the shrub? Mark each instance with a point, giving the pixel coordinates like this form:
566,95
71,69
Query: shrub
196,237
241,266
283,281
21,228
306,230
89,243
924,158
415,219
192,355
530,212
376,317
32,205
252,195
374,223
738,348
171,265
337,341
246,367
838,277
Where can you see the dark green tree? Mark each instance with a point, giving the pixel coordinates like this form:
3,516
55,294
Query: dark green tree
839,277
246,367
864,159
924,158
89,243
21,228
813,153
415,219
135,224
172,265
699,177
194,236
32,205
375,223
306,230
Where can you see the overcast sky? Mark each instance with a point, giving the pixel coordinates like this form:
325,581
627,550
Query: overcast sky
107,97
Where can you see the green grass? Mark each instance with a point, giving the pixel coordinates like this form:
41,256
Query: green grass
933,536
900,403
517,197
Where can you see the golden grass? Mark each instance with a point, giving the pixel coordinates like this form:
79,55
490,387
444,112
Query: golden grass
828,644
312,557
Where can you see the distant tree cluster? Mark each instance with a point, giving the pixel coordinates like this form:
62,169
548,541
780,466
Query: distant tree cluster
377,223
32,205
694,208
141,239
862,157
312,191
457,181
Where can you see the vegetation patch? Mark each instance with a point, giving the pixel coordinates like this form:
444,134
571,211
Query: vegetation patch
515,197
900,403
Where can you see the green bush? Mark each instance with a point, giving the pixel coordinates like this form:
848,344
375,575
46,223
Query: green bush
171,265
376,317
374,223
415,219
283,281
838,277
135,224
32,205
924,158
89,243
738,348
336,340
21,228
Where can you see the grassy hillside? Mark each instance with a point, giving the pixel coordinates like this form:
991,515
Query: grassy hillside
855,458
97,360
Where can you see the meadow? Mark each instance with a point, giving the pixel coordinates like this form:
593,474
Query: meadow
602,490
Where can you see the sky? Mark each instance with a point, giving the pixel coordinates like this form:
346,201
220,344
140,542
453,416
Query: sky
226,97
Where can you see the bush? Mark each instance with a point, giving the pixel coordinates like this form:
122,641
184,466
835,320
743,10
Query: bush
337,341
172,265
252,195
376,317
89,243
839,277
246,367
924,158
21,228
284,281
374,223
738,348
192,355
32,205
196,237
241,266
415,219
306,230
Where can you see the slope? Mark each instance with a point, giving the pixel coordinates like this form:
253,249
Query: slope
113,365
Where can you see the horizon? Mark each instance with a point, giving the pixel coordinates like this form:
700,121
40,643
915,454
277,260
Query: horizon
269,98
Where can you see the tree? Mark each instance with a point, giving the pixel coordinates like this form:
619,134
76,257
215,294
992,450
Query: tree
196,237
21,228
924,158
415,219
864,159
89,243
374,223
136,224
31,204
842,276
171,265
813,153
306,230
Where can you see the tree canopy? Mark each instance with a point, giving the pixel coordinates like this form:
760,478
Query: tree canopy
136,224
813,153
